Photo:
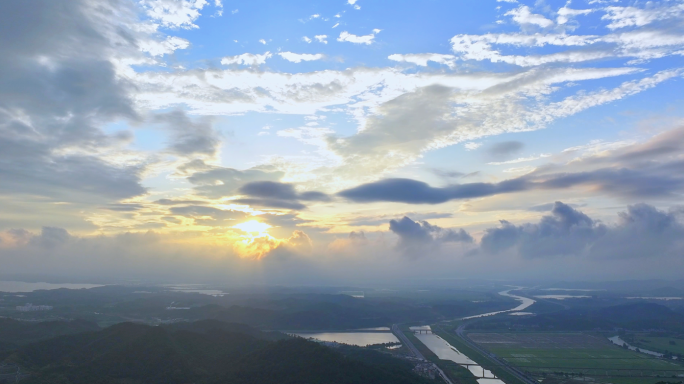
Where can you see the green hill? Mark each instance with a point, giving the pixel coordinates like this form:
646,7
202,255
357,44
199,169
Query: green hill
204,352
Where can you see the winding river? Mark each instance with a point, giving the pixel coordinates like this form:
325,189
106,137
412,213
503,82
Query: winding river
446,351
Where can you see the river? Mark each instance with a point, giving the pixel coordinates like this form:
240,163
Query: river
618,341
524,304
446,351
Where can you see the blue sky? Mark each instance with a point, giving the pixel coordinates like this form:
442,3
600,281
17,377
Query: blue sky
536,135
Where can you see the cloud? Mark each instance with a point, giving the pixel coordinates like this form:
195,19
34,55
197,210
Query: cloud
566,14
505,149
622,17
415,237
471,146
277,195
523,15
423,58
190,138
217,182
520,159
641,232
350,38
299,57
174,13
247,59
209,216
50,237
164,47
566,232
322,38
306,39
638,171
416,192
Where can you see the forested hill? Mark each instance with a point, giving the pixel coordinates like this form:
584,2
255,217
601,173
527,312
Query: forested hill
15,333
208,352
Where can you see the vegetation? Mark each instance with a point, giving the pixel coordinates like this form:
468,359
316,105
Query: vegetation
15,333
202,352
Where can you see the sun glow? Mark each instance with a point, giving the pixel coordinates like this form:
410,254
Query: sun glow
253,227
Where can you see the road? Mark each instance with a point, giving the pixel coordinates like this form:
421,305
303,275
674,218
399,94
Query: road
460,332
398,333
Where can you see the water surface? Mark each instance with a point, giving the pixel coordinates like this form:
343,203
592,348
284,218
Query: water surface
446,351
524,303
22,286
361,339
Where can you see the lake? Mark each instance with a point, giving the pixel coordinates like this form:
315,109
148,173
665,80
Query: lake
22,286
361,339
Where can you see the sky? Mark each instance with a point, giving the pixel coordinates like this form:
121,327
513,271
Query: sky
342,142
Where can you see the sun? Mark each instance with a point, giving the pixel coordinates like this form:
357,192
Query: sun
253,227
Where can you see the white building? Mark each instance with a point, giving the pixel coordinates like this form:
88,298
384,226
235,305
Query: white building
30,307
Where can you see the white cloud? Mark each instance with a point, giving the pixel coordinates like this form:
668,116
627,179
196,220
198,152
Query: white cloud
262,41
351,2
621,17
471,146
234,11
322,38
523,15
306,39
336,25
161,48
638,44
565,14
247,59
174,13
423,58
299,57
521,159
315,16
366,39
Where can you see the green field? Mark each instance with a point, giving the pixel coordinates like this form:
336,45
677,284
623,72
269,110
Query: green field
659,344
579,355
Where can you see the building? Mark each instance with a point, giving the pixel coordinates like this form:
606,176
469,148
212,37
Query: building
30,307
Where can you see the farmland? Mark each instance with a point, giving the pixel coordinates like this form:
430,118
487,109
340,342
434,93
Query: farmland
587,356
660,344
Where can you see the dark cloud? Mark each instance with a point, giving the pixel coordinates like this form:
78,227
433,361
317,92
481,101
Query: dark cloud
415,237
382,219
453,174
505,149
277,195
51,237
642,231
217,182
190,137
357,236
416,192
566,232
57,88
548,207
636,172
123,207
